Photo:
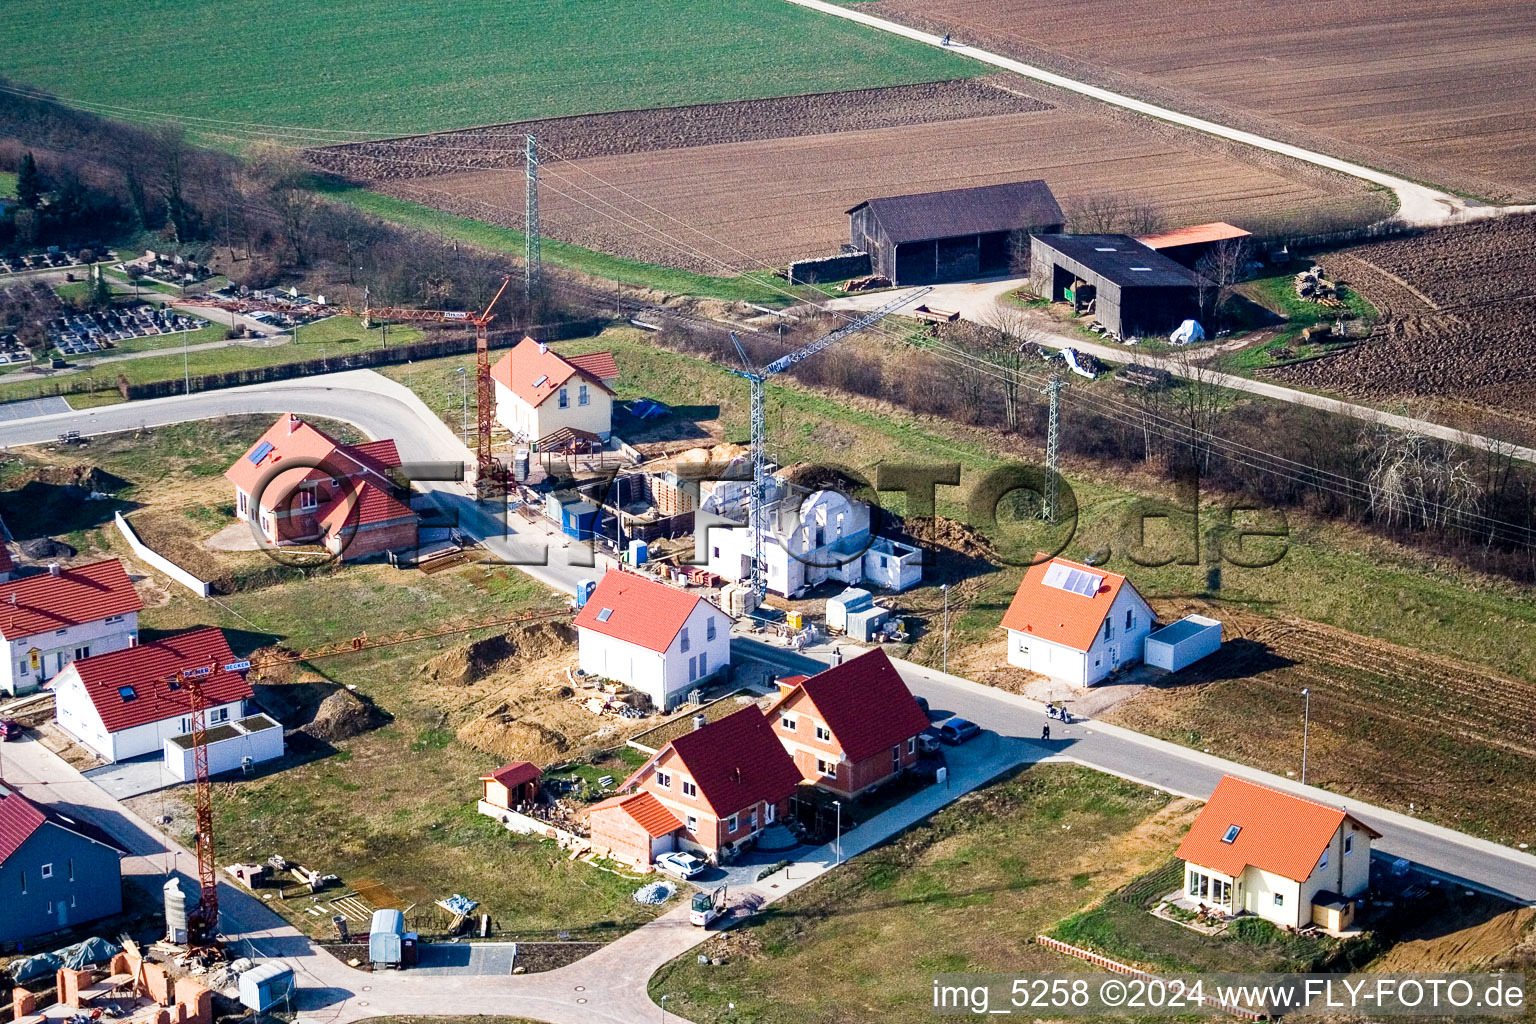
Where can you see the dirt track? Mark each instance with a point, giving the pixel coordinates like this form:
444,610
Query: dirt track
1435,91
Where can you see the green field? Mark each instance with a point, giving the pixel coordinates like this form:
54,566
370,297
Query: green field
7,185
406,66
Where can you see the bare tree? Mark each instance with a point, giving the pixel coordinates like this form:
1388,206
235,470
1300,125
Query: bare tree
1199,401
1419,482
1011,335
1110,213
1221,270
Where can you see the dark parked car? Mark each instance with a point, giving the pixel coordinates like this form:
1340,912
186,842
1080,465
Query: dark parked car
922,702
957,730
10,729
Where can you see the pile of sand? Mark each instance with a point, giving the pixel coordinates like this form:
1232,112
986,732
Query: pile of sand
343,715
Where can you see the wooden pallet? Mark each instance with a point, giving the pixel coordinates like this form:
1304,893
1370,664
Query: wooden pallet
444,560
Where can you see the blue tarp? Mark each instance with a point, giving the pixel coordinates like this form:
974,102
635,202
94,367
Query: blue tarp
646,409
90,951
457,904
40,966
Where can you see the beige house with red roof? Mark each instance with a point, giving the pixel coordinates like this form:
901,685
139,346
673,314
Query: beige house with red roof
710,792
511,785
51,619
1287,859
539,392
297,485
850,727
128,703
654,638
1075,623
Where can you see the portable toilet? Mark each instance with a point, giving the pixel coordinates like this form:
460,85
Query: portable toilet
584,590
266,985
520,461
851,600
639,552
863,624
386,937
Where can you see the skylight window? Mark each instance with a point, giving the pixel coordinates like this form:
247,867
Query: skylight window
127,693
1074,581
605,615
260,452
541,381
1141,268
1231,834
1105,248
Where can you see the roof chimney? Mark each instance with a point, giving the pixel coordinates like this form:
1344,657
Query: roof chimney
699,722
53,568
543,348
293,422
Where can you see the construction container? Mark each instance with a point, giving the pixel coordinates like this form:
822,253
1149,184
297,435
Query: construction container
584,590
794,620
1183,643
386,937
639,552
578,519
266,985
851,600
865,623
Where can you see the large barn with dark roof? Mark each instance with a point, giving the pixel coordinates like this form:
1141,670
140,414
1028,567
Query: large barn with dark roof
1131,288
953,235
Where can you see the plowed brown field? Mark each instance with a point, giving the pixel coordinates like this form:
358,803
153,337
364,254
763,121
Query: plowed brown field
1390,725
772,200
1441,91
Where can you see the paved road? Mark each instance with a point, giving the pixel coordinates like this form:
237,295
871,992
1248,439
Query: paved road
1418,204
975,300
1187,772
374,404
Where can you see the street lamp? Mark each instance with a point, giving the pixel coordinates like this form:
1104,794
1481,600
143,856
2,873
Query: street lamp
944,589
664,1009
1306,722
837,857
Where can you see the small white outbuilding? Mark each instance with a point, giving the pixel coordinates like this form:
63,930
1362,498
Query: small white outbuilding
1183,643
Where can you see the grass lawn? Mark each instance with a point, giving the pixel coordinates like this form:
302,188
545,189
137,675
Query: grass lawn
7,185
966,890
412,66
758,287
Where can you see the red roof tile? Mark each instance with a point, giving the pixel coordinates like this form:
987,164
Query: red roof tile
533,373
43,603
644,809
601,365
294,440
640,610
1277,832
514,774
383,452
19,819
735,761
864,703
371,505
1062,616
1218,231
145,668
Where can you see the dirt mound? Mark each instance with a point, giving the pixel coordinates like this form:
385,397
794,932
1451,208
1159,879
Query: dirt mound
520,739
81,479
46,547
469,663
343,715
951,536
1466,938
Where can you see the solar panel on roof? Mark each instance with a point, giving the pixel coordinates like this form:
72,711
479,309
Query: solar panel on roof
1074,581
605,615
260,452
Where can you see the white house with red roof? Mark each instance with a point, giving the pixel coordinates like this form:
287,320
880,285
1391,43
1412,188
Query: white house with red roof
710,791
1287,859
289,481
850,727
654,638
51,619
539,391
1075,623
129,702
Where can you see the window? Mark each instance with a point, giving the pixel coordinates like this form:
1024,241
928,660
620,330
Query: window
693,669
46,871
896,757
61,632
581,395
717,551
127,693
752,822
823,733
307,499
23,882
605,615
689,788
787,721
692,824
1109,629
1349,844
1323,860
709,630
1231,834
730,824
245,505
113,618
1130,619
1279,899
827,768
219,715
685,639
71,869
703,663
82,652
912,745
565,398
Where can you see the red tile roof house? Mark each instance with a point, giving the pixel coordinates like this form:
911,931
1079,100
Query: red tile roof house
511,785
1076,623
51,619
54,871
303,504
539,391
1288,859
850,727
123,704
365,521
657,639
710,792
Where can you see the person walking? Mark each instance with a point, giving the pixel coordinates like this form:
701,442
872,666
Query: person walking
1045,734
946,40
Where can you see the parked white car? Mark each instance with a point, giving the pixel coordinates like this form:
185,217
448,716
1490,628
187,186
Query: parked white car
681,865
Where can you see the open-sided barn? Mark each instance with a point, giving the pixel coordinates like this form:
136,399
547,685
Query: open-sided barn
1133,289
953,235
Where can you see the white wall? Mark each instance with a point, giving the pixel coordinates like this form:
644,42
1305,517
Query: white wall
1054,660
159,561
533,423
664,678
101,636
1123,647
77,715
226,755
